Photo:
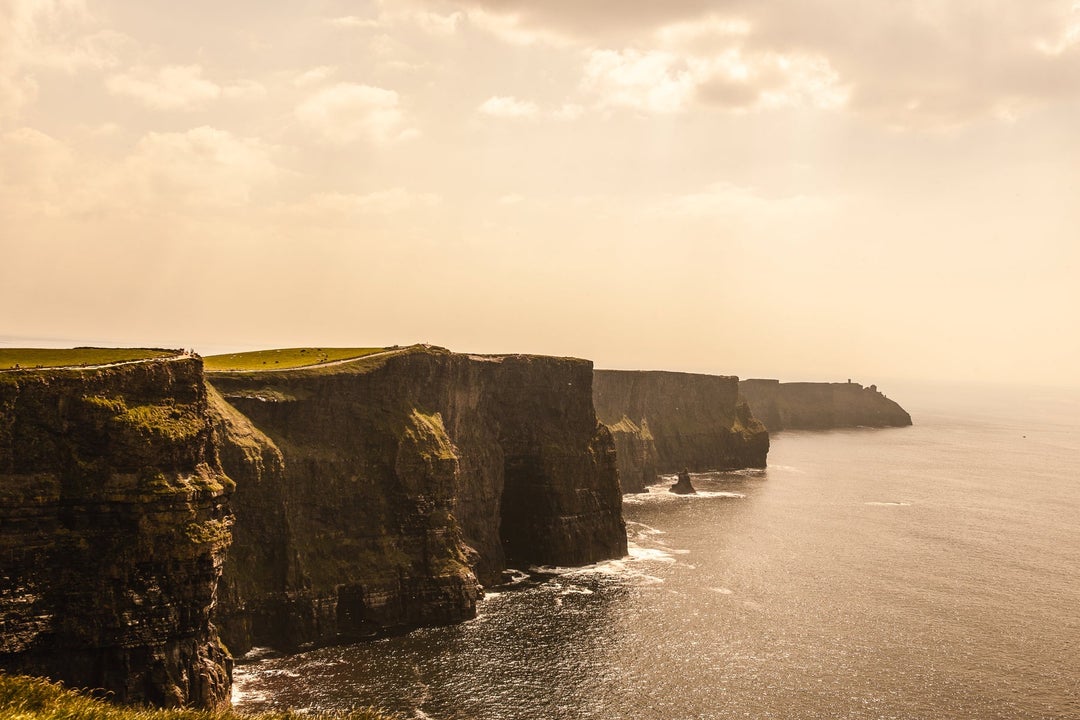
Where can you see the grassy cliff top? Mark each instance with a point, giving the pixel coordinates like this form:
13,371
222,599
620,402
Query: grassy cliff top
283,359
27,698
75,357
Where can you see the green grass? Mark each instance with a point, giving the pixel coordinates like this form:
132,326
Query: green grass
60,357
282,359
27,698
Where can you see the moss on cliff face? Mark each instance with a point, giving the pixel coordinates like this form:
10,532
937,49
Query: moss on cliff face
114,527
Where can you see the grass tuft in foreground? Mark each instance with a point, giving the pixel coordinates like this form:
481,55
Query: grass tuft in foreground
29,698
30,358
282,359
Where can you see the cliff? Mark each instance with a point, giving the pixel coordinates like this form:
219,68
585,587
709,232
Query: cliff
370,495
377,494
820,406
683,420
635,450
113,529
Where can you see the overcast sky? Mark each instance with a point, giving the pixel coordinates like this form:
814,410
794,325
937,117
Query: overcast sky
803,189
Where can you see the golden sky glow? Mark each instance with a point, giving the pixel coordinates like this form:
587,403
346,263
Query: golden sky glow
800,189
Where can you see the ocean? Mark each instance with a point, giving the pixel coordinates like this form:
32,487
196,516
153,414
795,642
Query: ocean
923,572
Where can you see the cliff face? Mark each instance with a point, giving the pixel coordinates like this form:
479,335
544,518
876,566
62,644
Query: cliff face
820,406
113,530
695,421
384,488
635,449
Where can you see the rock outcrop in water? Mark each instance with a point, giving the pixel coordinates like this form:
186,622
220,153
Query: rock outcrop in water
114,525
820,406
389,486
667,421
683,486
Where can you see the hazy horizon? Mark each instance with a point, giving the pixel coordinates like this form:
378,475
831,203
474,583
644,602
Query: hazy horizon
805,191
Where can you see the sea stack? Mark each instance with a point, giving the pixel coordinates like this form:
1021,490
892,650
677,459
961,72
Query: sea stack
683,486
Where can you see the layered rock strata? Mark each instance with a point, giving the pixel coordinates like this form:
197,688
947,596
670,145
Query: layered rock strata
683,420
820,406
114,525
377,494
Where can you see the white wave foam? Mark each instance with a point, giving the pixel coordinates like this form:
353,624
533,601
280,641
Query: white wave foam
652,554
630,567
660,493
515,576
644,529
259,653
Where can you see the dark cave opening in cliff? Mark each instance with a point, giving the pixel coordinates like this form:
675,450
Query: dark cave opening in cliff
523,502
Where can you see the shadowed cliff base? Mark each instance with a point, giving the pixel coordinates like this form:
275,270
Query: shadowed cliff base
664,422
820,406
376,495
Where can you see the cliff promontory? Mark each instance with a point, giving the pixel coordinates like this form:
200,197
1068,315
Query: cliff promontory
820,406
376,494
664,422
114,524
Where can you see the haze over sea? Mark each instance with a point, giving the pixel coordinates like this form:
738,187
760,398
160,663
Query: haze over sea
922,572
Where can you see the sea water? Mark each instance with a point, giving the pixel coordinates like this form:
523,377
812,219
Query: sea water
922,572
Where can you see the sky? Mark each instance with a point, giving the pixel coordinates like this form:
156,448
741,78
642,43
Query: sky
801,189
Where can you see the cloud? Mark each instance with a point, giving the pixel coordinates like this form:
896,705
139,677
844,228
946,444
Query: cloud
315,75
723,200
569,111
399,14
47,35
655,82
508,107
347,112
1067,39
204,165
383,202
178,87
34,166
510,28
354,21
662,82
436,24
244,90
173,87
915,64
163,172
